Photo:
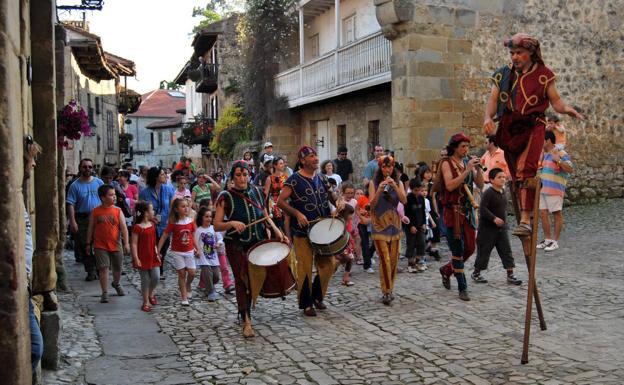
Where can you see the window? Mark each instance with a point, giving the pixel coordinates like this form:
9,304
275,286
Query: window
373,135
152,140
160,139
99,140
314,45
173,137
110,131
348,29
97,105
90,111
341,135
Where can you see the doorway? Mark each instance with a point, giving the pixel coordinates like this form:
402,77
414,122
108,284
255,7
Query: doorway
322,139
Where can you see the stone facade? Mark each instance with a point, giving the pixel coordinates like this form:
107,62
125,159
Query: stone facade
356,112
445,51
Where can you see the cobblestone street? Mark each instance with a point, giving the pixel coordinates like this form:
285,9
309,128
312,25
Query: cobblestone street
428,336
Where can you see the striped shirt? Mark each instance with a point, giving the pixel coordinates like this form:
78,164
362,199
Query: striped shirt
554,179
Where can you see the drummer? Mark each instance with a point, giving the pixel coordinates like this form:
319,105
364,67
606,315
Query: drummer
306,198
236,209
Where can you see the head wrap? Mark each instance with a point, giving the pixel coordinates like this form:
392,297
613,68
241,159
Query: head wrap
385,160
528,42
239,164
305,151
458,138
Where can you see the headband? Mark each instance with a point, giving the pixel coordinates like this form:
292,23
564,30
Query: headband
385,160
526,41
239,164
305,151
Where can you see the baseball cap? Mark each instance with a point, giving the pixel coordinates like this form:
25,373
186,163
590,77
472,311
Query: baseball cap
268,144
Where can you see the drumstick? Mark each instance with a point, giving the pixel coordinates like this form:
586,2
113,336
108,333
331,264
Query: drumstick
470,197
251,224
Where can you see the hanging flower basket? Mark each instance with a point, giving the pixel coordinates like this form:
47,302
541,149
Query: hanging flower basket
73,123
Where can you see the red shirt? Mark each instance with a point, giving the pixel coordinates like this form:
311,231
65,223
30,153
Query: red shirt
106,228
182,235
146,247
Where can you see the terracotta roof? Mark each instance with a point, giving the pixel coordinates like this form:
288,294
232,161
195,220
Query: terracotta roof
167,123
160,104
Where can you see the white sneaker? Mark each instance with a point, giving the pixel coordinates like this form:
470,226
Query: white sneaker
544,243
369,270
422,267
552,247
189,294
185,303
411,269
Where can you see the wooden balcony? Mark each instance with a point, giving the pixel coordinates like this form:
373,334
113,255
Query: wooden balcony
209,75
361,64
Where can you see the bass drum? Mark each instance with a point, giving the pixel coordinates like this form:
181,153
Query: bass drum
269,271
328,237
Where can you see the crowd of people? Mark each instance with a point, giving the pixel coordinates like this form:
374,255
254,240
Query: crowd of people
212,223
205,224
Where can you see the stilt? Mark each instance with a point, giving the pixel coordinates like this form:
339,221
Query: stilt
532,289
526,246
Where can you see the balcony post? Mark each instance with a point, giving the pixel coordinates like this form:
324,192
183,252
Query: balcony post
336,64
301,51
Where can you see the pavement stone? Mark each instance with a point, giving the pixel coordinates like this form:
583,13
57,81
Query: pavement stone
427,336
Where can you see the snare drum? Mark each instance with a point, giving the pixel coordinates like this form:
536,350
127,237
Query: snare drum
269,272
328,237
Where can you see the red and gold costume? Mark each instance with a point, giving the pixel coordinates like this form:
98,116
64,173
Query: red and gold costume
522,102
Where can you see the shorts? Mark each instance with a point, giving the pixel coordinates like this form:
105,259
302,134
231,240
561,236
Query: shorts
552,203
183,259
106,259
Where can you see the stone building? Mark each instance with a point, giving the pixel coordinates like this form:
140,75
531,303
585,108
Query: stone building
155,127
443,53
211,78
430,76
91,76
339,94
27,91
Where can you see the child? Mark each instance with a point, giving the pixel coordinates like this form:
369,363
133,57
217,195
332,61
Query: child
208,261
492,230
228,285
426,178
363,213
182,192
183,248
348,193
145,256
346,257
416,229
105,223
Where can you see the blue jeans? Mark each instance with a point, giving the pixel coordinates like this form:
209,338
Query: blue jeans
36,340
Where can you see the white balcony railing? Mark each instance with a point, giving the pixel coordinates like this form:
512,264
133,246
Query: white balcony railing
364,59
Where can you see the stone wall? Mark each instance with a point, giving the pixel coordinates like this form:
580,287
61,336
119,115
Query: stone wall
296,127
445,51
15,121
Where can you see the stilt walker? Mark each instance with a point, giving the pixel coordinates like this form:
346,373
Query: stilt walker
520,94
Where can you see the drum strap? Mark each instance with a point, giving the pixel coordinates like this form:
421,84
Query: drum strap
259,207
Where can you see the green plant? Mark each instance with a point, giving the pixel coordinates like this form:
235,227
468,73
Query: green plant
231,128
266,25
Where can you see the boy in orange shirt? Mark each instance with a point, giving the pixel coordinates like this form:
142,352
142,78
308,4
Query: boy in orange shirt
105,224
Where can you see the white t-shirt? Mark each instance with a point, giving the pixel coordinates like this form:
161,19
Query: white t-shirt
208,241
335,177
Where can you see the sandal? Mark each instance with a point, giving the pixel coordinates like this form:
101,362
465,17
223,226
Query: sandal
146,308
153,300
347,283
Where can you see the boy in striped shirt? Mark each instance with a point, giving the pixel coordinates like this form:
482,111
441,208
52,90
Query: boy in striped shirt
556,167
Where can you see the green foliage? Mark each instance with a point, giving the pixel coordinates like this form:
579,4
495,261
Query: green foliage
215,10
231,128
167,85
197,131
266,25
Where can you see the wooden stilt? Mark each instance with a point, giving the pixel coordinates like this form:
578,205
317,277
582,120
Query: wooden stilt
532,285
526,246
